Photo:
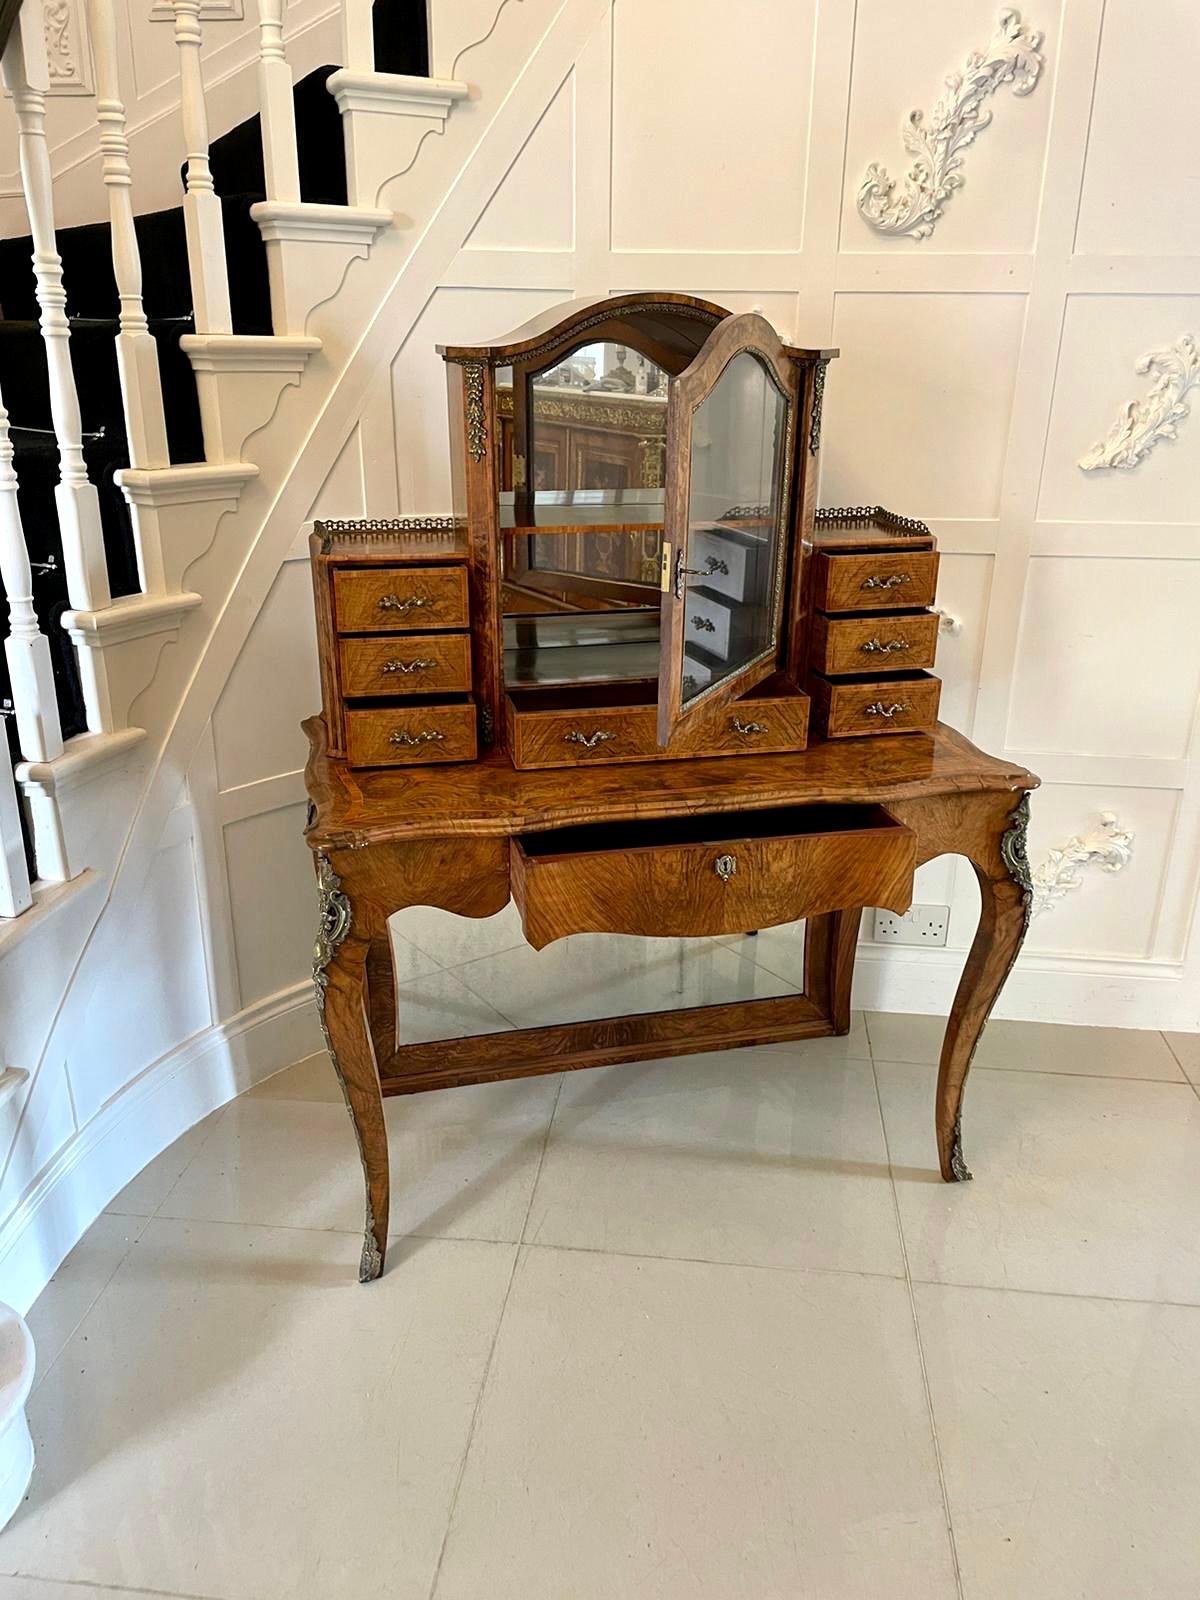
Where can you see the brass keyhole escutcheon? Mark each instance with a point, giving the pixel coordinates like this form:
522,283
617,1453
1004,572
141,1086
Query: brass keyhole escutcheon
725,867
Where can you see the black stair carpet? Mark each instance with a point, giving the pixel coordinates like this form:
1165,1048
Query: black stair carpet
92,305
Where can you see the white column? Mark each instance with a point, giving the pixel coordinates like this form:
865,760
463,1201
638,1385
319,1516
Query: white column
27,648
201,205
276,106
75,497
137,353
358,37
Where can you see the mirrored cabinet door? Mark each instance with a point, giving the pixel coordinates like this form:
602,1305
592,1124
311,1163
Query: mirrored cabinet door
733,428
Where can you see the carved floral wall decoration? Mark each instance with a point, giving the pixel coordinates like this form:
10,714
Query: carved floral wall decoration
1144,423
1108,846
1012,56
68,52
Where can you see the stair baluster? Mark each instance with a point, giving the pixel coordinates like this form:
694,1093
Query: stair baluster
35,706
201,205
26,76
137,353
14,874
280,162
358,36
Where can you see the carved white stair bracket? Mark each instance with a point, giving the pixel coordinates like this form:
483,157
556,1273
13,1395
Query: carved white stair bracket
1108,846
130,634
239,380
1013,56
184,505
377,146
303,278
1146,422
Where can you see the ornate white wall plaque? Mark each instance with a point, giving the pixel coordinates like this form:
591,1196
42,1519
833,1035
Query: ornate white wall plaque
1013,56
1108,846
68,52
1143,423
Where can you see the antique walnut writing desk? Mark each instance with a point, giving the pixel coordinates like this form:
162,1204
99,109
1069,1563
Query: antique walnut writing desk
637,684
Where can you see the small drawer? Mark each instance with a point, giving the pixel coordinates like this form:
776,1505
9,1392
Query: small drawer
593,736
398,599
843,708
711,622
888,580
766,724
435,663
543,735
408,735
731,559
900,641
700,876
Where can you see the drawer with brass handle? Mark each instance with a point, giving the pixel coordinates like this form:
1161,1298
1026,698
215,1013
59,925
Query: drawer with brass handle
709,875
403,735
543,732
904,640
397,599
875,581
418,664
901,702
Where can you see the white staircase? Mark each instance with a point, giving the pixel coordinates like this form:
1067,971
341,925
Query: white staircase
347,285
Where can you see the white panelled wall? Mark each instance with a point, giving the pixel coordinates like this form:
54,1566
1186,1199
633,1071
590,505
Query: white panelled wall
977,365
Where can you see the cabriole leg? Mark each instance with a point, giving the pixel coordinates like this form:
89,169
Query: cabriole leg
339,971
1006,895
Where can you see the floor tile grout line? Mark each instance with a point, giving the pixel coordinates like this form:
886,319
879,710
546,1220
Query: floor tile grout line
487,1366
1057,1294
114,1588
40,1376
916,1325
1040,1072
1178,1062
710,1261
128,1217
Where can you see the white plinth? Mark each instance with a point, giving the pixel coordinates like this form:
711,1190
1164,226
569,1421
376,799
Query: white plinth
16,1379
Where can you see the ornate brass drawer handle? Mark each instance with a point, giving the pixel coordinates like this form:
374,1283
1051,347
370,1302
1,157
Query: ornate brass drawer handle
393,602
421,665
426,736
725,867
746,729
873,645
589,741
704,625
711,564
880,710
892,581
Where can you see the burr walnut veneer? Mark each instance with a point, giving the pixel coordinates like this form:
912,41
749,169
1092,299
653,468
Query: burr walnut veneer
690,846
634,683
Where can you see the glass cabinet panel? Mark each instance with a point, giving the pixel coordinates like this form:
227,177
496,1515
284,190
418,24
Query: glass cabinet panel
728,519
734,502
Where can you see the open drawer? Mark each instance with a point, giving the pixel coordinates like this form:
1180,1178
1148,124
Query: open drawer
706,875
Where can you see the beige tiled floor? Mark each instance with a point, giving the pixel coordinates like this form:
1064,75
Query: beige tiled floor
709,1328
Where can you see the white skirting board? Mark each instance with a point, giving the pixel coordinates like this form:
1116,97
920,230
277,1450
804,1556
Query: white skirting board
162,1103
1090,992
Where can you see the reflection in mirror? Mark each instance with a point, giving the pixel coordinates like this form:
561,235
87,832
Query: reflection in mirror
586,442
582,461
735,510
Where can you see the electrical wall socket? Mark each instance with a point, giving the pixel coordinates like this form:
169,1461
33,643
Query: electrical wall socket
918,925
